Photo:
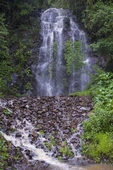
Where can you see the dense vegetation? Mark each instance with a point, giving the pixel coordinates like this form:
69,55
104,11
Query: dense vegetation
99,127
15,57
16,20
17,35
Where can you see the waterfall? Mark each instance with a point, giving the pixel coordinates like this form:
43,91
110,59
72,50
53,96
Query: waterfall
58,26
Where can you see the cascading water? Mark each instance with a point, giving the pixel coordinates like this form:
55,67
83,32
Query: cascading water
59,118
58,26
22,140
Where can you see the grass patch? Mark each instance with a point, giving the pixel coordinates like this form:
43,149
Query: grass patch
99,147
81,93
65,150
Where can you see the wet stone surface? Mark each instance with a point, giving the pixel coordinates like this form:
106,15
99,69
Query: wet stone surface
51,123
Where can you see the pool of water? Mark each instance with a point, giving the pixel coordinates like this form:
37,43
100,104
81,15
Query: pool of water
99,167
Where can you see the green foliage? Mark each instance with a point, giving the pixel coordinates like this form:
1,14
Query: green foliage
27,86
100,121
73,55
103,90
101,147
8,157
98,129
51,143
28,72
82,93
59,158
18,11
98,21
6,112
21,56
5,62
74,5
58,3
42,133
3,29
73,130
14,48
1,86
52,140
3,153
48,145
55,49
65,150
25,8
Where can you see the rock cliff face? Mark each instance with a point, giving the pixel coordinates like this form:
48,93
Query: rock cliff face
44,71
24,53
55,119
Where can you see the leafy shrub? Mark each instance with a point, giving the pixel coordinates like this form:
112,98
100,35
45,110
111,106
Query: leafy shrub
101,147
99,127
102,90
73,55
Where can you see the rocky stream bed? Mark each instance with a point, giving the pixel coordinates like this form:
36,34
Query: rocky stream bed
49,123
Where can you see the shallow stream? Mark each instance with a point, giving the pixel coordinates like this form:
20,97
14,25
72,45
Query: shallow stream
44,127
41,155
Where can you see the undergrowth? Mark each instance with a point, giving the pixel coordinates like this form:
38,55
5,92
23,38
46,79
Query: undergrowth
3,153
98,129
